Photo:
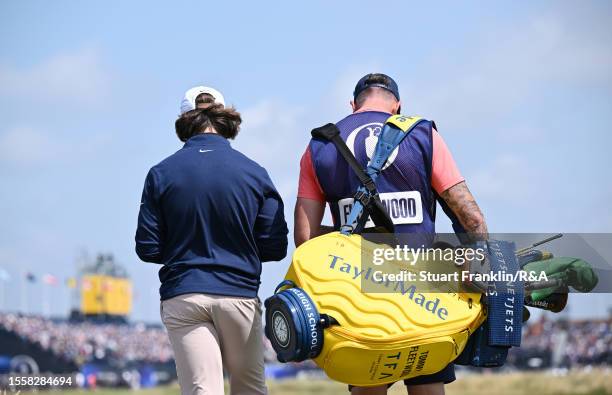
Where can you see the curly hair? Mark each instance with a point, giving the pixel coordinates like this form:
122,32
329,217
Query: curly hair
208,115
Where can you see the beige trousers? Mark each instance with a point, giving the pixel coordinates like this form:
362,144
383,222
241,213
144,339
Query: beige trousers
209,332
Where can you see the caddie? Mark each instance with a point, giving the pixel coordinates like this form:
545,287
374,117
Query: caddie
419,173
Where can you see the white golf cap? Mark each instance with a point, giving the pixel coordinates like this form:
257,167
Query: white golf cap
188,102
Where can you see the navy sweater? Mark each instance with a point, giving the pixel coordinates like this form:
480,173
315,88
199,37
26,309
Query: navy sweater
210,215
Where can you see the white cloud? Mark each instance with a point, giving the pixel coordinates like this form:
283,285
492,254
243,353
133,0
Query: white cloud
269,113
24,145
506,179
481,82
275,135
334,103
77,77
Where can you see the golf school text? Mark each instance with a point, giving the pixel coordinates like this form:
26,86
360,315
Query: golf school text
312,320
421,300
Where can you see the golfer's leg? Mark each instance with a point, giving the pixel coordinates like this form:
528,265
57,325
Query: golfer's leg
380,390
238,322
195,343
426,389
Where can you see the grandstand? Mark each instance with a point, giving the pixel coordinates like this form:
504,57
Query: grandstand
63,346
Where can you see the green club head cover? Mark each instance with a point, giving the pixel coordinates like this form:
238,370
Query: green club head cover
575,272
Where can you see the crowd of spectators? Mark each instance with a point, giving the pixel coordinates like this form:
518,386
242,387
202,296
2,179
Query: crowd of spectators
85,341
565,344
546,343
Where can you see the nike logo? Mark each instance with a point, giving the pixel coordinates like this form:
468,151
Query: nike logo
205,150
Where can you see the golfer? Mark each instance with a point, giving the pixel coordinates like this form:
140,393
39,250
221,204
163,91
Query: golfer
420,171
211,216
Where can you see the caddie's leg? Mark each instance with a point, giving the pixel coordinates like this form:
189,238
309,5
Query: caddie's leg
380,390
432,384
238,322
426,389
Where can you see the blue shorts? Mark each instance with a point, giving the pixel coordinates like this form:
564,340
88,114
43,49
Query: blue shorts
446,376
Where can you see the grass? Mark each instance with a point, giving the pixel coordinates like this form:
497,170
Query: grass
595,382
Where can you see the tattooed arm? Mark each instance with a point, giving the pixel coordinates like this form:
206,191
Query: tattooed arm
460,200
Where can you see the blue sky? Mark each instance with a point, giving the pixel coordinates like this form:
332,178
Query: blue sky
89,92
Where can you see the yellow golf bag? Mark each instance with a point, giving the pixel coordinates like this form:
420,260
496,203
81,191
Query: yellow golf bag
362,338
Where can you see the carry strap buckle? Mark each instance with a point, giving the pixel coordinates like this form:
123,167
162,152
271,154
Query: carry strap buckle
365,198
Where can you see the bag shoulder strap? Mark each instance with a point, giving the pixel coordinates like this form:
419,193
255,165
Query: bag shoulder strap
368,197
395,129
331,133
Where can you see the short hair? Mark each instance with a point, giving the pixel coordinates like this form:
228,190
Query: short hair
375,78
371,92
